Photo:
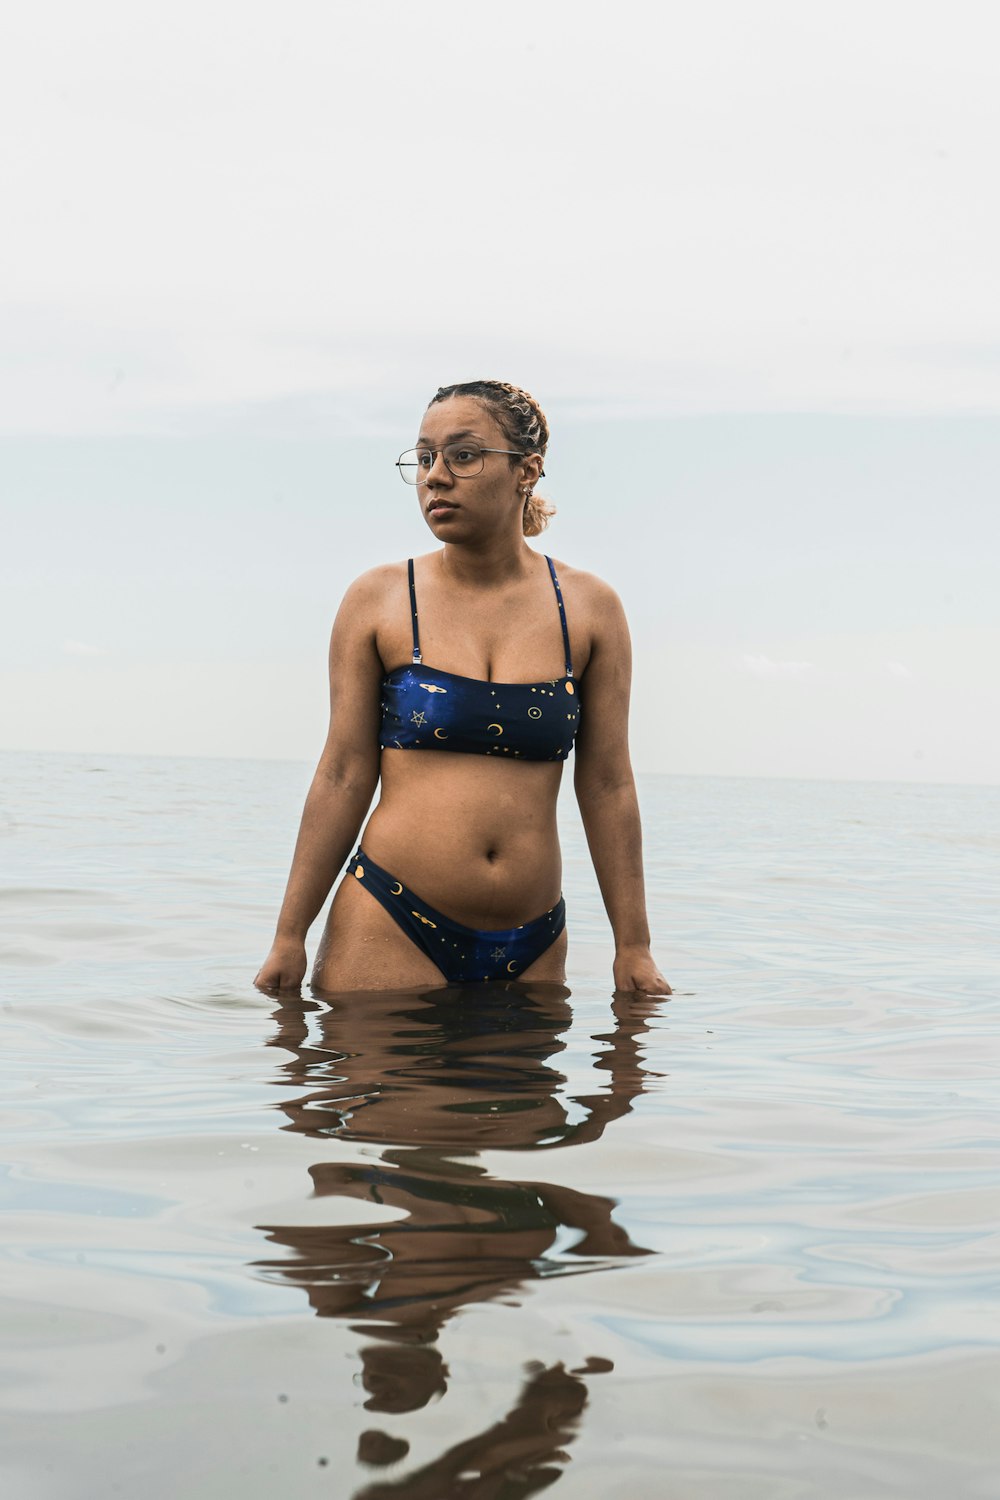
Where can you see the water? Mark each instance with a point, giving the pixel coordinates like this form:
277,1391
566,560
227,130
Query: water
740,1244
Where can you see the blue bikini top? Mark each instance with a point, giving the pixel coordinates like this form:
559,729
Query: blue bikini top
426,709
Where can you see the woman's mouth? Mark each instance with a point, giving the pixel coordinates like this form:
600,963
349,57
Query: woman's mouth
440,507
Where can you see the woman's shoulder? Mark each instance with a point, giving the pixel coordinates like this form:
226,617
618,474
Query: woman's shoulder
375,584
587,589
384,575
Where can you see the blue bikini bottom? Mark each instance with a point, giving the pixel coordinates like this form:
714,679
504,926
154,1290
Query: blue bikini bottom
464,955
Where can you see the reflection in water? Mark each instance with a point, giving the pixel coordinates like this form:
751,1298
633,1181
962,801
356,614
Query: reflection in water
433,1079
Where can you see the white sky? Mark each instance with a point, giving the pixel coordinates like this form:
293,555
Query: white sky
745,254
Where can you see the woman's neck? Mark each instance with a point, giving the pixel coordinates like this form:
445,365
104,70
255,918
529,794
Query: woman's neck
499,560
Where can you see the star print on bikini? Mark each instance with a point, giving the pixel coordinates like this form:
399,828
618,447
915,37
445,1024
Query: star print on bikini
499,953
509,721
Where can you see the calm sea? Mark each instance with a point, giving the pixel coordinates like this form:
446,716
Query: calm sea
742,1244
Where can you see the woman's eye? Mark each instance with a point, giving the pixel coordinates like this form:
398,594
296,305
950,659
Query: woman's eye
425,460
463,455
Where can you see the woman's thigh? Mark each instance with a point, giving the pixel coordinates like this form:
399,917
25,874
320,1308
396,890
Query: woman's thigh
550,965
362,948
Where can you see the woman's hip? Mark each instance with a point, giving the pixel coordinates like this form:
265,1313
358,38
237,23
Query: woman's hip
382,934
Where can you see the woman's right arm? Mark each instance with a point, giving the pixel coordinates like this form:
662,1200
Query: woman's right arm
342,788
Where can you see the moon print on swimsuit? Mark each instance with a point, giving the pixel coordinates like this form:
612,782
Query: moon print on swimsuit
477,955
471,715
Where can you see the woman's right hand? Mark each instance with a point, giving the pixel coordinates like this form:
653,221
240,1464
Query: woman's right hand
284,968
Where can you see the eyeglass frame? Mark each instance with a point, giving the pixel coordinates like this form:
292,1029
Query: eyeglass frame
511,453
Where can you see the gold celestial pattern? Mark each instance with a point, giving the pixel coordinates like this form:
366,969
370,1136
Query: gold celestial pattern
505,719
463,954
475,720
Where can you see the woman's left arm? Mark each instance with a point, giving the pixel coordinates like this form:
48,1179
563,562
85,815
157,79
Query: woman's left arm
605,790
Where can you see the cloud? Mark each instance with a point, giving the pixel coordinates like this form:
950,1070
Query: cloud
897,669
763,666
81,648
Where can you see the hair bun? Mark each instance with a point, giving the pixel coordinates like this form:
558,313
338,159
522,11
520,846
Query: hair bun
537,513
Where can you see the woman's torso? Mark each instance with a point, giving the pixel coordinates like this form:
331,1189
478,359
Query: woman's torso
475,833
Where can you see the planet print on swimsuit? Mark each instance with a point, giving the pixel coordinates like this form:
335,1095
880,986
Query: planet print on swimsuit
424,708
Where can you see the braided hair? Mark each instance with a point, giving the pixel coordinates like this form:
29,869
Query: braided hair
523,424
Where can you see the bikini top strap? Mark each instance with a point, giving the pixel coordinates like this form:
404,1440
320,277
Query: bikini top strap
413,613
562,615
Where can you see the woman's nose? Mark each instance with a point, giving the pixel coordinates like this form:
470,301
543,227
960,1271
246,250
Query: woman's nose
439,471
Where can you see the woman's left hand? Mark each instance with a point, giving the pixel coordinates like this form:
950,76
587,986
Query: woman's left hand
636,973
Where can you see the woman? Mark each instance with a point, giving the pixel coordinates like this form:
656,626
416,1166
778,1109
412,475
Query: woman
458,876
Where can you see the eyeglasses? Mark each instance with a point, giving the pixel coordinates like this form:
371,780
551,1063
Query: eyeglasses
461,459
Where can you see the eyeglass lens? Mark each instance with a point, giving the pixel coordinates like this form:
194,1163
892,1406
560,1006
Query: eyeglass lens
462,459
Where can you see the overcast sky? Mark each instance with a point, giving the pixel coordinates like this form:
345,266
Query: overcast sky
744,253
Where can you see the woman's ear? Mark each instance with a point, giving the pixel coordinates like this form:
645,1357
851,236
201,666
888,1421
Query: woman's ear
531,470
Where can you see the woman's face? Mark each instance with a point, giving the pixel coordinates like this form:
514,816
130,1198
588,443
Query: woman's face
453,504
